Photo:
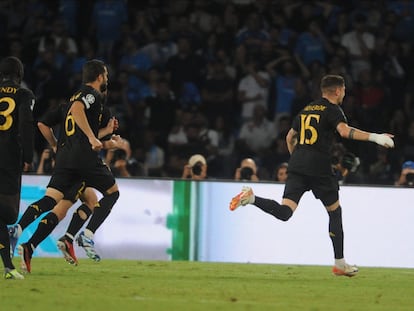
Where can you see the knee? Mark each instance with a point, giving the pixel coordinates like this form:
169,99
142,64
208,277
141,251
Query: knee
89,198
61,209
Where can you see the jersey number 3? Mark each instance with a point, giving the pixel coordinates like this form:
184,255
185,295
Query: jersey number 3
6,118
306,127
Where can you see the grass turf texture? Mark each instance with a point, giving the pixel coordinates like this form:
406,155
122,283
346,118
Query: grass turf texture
161,285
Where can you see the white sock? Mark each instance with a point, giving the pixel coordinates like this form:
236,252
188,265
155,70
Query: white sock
340,263
70,236
89,234
19,231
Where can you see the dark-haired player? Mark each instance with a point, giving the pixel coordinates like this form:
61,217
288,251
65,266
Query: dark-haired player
78,162
309,141
16,151
52,118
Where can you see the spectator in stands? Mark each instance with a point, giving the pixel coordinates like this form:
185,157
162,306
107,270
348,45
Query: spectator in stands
185,67
162,108
107,18
196,168
217,93
370,98
285,76
406,177
121,162
256,135
59,36
253,90
281,172
360,44
154,155
312,45
252,35
247,170
141,30
160,50
380,172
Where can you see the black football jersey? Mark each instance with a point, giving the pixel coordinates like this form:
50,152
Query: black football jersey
16,125
316,126
75,150
54,118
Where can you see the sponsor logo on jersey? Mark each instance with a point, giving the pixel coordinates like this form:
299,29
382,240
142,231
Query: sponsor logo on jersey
88,100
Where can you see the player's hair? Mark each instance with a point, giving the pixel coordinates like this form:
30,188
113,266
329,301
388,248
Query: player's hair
11,68
331,82
92,69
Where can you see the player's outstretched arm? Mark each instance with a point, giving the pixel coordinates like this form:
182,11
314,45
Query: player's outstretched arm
350,132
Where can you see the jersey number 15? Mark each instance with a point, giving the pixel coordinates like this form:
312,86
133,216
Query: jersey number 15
306,127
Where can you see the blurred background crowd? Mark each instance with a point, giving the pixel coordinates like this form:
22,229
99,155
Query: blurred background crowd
223,78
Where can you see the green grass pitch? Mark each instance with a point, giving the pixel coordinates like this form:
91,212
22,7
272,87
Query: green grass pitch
177,285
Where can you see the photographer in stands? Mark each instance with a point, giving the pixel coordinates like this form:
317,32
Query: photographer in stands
196,168
247,170
407,175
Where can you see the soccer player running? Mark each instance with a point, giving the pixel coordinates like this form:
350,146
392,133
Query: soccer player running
309,141
54,117
78,164
16,152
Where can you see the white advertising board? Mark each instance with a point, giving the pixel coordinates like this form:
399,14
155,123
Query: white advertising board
378,227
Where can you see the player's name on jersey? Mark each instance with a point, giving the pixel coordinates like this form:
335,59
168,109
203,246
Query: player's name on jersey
315,107
8,89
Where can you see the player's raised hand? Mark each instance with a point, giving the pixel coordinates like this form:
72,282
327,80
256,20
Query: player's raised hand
384,140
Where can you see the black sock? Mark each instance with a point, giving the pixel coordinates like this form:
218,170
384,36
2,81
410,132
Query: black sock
35,209
5,246
336,232
102,211
45,227
80,216
282,212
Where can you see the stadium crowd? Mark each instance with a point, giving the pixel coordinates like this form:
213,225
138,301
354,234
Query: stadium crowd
223,78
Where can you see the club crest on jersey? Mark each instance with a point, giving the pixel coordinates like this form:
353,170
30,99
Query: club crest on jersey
88,100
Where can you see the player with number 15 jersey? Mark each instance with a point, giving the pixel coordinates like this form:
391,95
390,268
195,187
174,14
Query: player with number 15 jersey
316,125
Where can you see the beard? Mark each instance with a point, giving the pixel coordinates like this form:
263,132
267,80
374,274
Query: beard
103,87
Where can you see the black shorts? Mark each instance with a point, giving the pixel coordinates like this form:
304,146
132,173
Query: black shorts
10,185
324,188
99,177
10,181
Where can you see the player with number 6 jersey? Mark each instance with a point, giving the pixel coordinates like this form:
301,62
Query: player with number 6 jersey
79,165
75,144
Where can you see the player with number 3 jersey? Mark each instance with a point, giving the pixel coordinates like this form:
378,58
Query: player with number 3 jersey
16,151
